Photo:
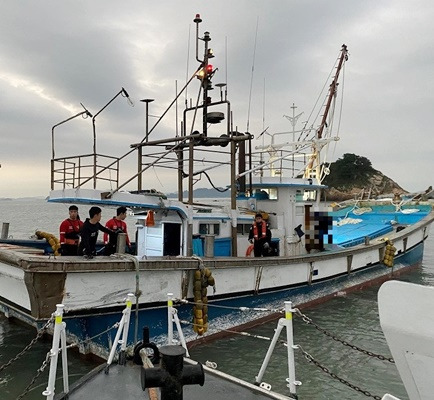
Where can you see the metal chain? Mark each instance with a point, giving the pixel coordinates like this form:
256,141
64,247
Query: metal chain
345,343
48,356
34,340
39,371
334,376
87,340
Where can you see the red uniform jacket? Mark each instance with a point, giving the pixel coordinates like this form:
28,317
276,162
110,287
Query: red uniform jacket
115,224
70,231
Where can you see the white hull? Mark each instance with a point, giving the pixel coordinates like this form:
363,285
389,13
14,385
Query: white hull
33,284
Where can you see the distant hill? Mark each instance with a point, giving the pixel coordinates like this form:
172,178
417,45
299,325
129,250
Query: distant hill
349,177
203,193
352,174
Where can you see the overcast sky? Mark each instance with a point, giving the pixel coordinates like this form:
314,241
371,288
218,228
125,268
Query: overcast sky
56,54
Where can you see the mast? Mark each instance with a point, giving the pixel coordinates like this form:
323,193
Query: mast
331,95
333,88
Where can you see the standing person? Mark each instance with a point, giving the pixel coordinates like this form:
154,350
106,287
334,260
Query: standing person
118,225
89,233
260,236
70,230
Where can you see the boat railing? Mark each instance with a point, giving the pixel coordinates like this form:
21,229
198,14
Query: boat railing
76,171
284,163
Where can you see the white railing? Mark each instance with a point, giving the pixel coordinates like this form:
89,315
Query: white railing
172,317
58,335
122,329
283,322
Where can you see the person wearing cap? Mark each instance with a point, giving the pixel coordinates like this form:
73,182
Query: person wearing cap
260,236
70,230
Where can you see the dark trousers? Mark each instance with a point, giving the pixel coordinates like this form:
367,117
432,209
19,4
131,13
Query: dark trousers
258,248
69,249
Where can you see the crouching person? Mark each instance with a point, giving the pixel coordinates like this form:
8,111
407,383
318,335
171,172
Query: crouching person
89,233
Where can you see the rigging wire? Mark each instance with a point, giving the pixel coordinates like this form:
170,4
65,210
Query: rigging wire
251,77
317,100
156,175
226,66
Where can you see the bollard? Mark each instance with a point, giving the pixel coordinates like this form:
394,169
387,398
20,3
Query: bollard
121,242
5,230
172,375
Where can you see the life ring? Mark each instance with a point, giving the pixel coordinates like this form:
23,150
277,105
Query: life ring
249,250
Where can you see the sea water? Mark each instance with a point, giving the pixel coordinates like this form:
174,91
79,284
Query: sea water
352,317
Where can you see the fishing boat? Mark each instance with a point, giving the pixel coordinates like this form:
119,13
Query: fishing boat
196,255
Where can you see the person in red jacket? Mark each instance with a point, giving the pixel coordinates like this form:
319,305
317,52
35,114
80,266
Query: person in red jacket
70,230
116,224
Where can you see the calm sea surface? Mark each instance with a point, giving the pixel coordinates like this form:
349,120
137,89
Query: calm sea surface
353,317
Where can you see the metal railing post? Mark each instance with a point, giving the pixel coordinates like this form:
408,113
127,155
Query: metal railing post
283,322
123,328
64,358
269,351
290,347
169,319
180,333
58,335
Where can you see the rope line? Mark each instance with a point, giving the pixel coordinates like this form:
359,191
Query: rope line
243,309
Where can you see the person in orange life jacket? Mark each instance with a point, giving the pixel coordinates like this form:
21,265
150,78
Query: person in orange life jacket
260,236
118,225
89,233
70,230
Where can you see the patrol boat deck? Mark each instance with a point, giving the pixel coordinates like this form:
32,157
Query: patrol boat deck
123,382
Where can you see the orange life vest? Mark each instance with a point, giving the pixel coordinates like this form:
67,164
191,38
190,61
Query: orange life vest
263,230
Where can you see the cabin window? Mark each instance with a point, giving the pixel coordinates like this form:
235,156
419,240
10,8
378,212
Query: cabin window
209,229
309,195
298,196
243,229
265,194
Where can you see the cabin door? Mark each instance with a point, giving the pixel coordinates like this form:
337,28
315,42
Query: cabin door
172,239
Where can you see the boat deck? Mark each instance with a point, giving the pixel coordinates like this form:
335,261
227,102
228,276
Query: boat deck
350,229
21,248
124,382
